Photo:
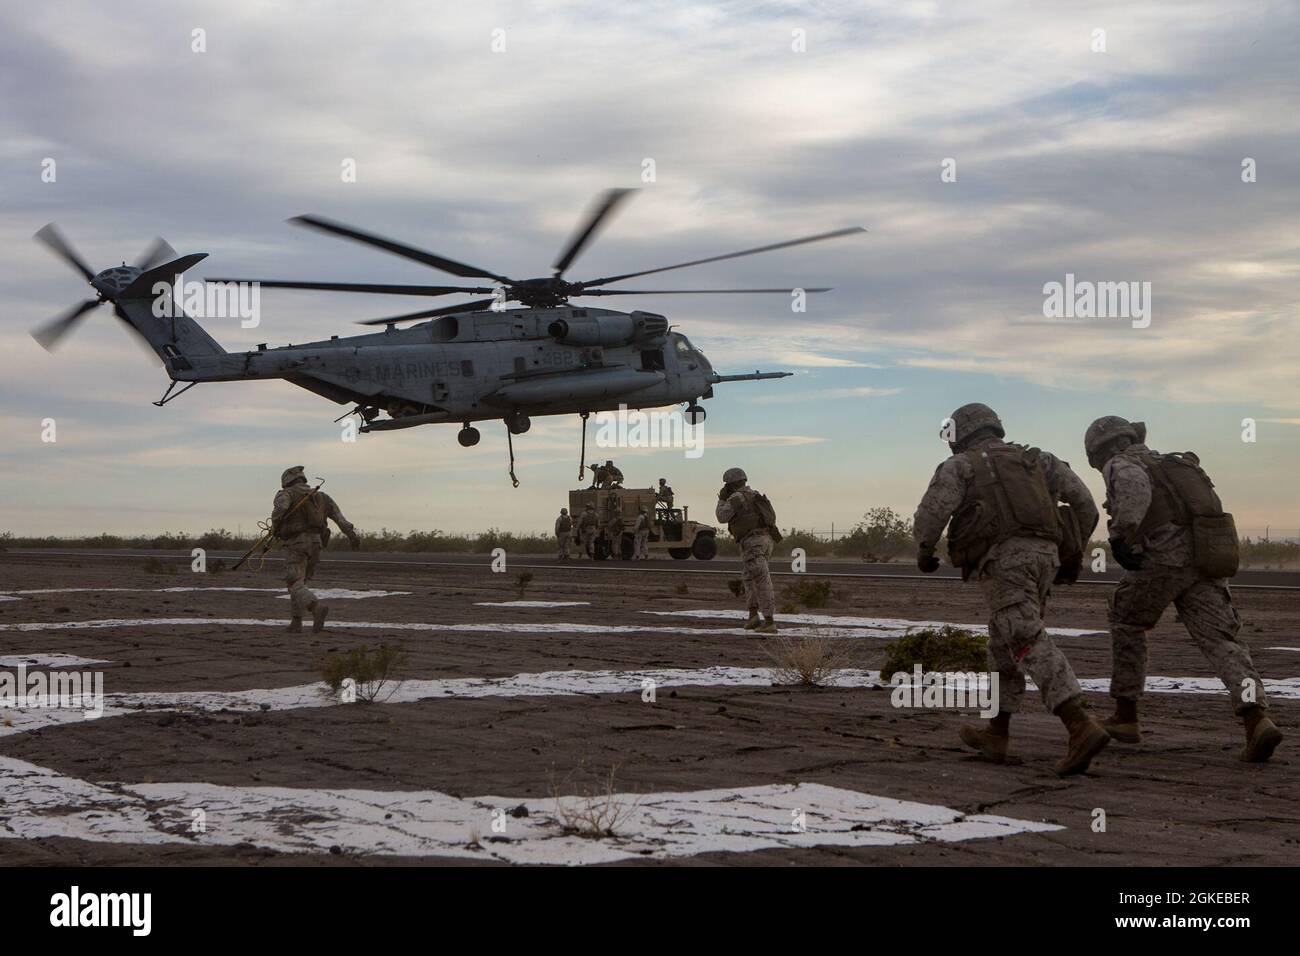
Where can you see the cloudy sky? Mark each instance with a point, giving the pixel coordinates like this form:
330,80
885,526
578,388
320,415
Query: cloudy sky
1117,165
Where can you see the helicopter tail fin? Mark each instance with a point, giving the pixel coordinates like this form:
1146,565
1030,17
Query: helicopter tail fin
161,321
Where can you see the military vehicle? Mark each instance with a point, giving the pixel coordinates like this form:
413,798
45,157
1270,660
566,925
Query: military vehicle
475,361
671,531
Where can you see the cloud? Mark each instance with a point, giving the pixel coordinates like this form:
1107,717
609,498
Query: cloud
1115,166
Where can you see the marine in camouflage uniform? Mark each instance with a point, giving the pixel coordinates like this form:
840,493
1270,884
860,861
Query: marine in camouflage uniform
303,530
563,533
1002,501
737,508
588,525
614,526
641,536
1151,537
664,494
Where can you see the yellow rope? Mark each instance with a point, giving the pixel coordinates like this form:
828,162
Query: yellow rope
269,542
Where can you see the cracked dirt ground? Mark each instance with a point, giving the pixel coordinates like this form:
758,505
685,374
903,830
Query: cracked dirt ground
1180,797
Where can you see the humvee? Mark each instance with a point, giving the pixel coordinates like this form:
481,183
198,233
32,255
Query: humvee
671,529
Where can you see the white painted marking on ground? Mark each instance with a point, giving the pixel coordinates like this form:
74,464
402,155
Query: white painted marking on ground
887,626
543,684
1296,649
346,594
531,603
40,803
47,660
336,593
470,628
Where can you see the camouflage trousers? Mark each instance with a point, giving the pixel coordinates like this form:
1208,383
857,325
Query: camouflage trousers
640,548
1205,606
1016,585
589,542
301,555
562,543
755,550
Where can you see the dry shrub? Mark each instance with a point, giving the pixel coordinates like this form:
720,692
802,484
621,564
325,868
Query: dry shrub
808,661
524,579
594,811
153,566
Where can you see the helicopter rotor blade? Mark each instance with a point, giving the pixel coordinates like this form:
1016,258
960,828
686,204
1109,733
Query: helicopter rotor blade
378,288
730,255
50,236
461,269
49,334
692,291
158,253
600,211
477,305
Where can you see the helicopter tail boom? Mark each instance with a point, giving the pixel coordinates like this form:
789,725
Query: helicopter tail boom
174,336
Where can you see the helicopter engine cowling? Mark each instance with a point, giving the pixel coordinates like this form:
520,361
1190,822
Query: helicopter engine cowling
641,328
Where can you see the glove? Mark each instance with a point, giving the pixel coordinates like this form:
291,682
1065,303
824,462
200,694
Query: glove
723,494
1127,559
354,539
927,561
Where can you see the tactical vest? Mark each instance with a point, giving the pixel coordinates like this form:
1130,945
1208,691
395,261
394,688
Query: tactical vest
1180,490
1182,494
564,525
754,513
309,517
1008,498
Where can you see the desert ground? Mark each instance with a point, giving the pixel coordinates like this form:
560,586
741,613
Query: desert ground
606,693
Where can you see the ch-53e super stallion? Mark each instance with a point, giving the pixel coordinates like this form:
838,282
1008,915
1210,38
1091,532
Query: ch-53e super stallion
475,361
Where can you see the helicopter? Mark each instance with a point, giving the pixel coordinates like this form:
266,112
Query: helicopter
472,362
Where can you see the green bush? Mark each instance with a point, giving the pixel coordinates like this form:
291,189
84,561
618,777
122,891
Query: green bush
948,649
808,593
371,672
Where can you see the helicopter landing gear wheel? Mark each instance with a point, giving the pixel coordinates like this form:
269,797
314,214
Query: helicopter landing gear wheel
695,414
468,436
518,423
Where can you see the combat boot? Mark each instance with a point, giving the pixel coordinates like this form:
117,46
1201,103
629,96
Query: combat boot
1087,738
767,627
1262,736
1123,724
991,740
295,625
754,620
318,615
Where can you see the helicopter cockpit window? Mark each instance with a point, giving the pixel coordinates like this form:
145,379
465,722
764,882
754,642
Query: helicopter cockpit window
683,347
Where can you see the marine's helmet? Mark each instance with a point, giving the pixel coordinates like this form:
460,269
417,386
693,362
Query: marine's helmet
734,474
663,481
564,511
1104,431
292,476
962,424
590,506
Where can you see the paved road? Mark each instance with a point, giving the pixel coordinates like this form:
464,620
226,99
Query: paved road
823,567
